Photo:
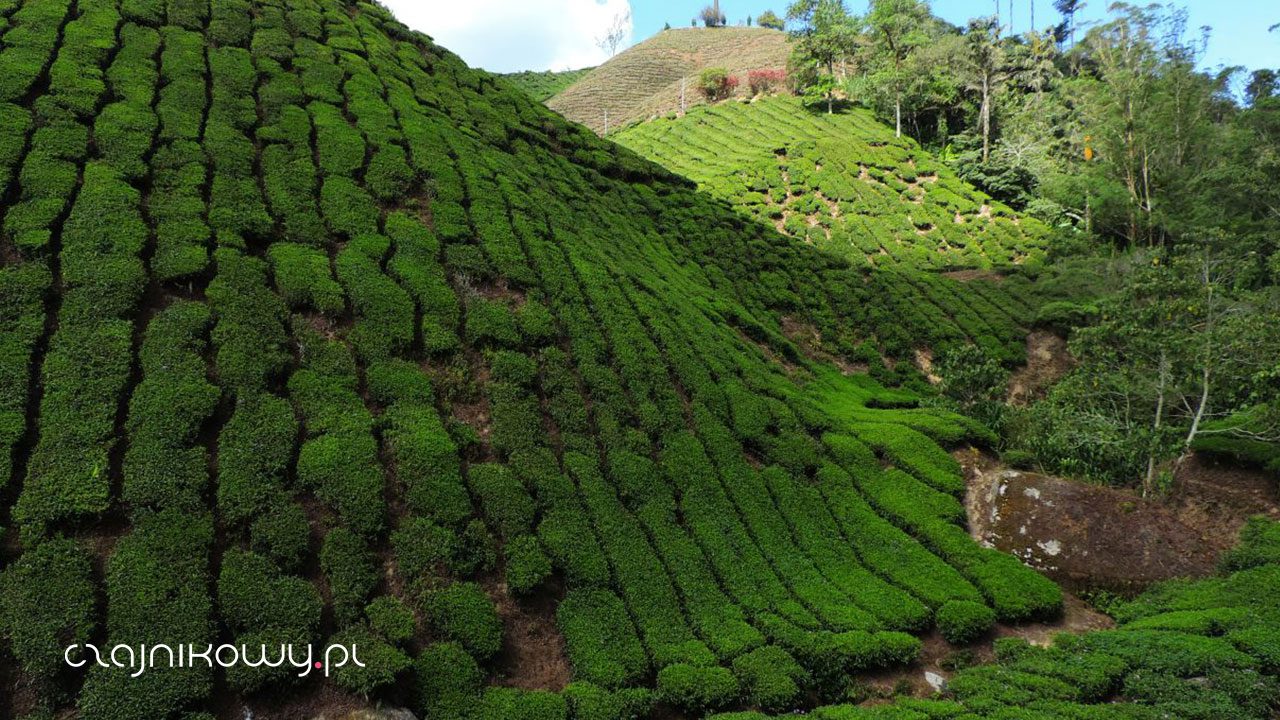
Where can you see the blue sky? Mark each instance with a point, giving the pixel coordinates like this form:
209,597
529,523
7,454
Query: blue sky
509,35
1239,36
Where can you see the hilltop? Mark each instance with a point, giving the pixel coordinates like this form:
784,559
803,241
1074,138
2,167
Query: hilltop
313,334
644,80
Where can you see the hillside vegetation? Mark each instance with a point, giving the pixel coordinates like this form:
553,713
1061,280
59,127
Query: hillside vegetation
644,81
312,334
541,86
842,183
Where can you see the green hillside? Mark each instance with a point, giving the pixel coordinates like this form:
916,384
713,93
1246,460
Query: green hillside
541,86
313,335
645,80
840,182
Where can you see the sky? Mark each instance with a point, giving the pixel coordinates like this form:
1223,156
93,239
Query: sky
511,35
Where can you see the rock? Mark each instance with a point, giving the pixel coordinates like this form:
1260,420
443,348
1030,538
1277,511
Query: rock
936,681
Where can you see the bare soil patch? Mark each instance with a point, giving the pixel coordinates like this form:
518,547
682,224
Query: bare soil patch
1048,360
533,654
809,340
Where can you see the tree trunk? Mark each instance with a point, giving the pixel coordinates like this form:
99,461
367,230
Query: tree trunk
1149,482
986,117
897,114
1195,422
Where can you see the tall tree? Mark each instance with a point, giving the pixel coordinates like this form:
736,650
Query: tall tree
825,35
896,29
1069,8
616,33
986,69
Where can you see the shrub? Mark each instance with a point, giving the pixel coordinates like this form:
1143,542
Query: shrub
157,590
254,595
697,690
382,662
505,703
448,681
282,533
423,549
600,638
304,279
717,84
527,565
1259,545
770,677
391,618
490,322
505,502
769,19
349,569
765,81
461,612
46,603
961,622
588,701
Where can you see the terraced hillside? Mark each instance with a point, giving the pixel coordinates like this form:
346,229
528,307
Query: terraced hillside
840,182
541,86
1220,631
314,335
644,81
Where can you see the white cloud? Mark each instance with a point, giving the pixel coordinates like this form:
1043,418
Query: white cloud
511,35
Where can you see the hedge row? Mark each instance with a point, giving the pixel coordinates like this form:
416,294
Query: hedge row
176,204
164,466
260,605
339,459
424,455
1013,590
157,593
29,45
22,316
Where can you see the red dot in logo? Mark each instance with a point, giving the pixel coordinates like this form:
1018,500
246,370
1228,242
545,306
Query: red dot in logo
317,664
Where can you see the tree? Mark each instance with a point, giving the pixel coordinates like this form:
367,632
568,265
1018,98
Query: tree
825,35
615,34
896,32
711,16
986,68
1262,86
769,19
1180,344
1068,9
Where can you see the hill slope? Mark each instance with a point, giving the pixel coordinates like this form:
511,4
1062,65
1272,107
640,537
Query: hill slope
541,86
644,81
312,334
841,182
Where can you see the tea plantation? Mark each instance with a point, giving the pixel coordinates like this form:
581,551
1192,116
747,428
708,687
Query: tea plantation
840,182
311,334
541,86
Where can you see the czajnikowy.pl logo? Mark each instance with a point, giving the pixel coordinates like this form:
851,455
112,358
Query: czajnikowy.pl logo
144,657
